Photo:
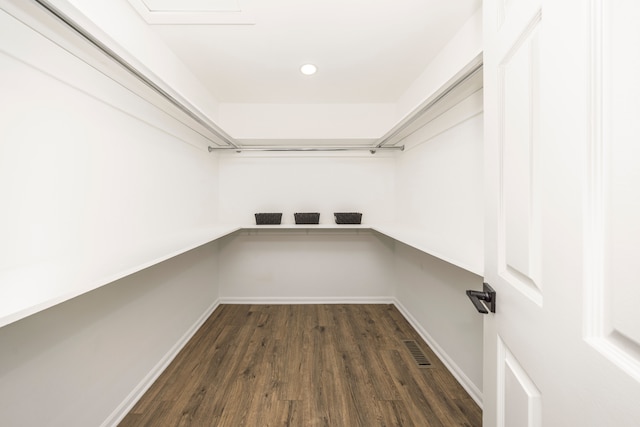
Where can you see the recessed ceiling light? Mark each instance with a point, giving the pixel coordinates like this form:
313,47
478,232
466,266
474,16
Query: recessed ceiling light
308,69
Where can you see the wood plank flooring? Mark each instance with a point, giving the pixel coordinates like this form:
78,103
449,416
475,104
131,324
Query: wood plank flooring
304,365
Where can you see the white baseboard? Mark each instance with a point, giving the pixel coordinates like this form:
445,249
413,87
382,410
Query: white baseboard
455,370
123,409
306,300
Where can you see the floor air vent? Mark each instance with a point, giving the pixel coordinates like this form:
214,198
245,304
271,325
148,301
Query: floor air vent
417,354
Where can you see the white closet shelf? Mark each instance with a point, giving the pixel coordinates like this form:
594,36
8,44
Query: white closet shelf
420,240
35,287
66,278
308,227
409,236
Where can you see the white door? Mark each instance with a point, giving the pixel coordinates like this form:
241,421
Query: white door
562,167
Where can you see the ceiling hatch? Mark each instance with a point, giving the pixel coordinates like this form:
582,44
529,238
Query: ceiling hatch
194,12
192,5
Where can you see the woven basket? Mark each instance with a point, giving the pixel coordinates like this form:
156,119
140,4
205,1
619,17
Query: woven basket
348,217
268,218
307,218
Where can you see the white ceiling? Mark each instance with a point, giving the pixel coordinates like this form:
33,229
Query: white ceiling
250,51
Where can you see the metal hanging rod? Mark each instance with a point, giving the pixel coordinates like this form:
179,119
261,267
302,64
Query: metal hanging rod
189,110
302,148
417,114
199,117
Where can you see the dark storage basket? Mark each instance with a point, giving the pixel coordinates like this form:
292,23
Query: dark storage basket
268,218
348,217
307,218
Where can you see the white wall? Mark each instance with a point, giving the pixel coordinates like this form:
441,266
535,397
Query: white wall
306,266
322,183
431,293
300,265
436,184
439,189
118,25
74,364
96,179
95,183
439,195
455,56
307,121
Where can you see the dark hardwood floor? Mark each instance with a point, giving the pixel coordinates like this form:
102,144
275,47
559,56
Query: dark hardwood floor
304,365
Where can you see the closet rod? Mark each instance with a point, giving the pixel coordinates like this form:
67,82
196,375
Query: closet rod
414,116
315,148
189,110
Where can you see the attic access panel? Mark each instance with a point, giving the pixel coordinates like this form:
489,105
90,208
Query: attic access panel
192,5
196,12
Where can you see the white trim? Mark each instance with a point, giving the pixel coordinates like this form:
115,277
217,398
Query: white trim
306,300
595,201
127,404
455,370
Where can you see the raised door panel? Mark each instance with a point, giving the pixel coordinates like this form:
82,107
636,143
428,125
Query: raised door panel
613,318
520,398
519,254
